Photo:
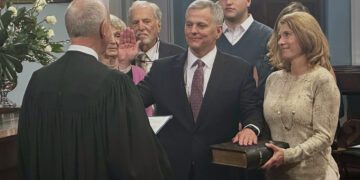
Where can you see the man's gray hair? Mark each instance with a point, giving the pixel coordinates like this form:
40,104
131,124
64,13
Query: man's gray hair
83,18
154,7
215,9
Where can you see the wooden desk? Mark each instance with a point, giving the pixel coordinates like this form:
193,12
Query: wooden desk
8,145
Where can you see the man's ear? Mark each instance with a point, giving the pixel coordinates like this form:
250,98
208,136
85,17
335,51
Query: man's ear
105,31
248,3
102,29
219,31
159,25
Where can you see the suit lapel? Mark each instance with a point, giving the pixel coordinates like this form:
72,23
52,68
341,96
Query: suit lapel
162,52
181,103
215,81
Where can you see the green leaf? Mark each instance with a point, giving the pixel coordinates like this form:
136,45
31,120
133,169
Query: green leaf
21,48
6,19
8,3
21,14
57,48
8,69
1,66
3,34
16,63
4,23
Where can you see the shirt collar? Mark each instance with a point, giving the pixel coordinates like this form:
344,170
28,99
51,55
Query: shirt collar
83,49
244,26
208,59
153,52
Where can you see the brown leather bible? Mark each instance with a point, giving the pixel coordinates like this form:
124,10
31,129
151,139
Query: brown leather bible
250,157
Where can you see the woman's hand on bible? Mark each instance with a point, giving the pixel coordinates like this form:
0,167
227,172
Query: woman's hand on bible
277,158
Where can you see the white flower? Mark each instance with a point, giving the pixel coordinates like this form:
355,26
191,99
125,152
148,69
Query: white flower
13,10
42,42
41,3
39,8
50,33
48,48
50,19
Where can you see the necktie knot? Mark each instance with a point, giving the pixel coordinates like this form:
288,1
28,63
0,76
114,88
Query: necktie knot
143,57
199,63
143,61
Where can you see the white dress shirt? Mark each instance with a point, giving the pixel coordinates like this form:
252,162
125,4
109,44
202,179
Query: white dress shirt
152,54
234,35
208,60
83,49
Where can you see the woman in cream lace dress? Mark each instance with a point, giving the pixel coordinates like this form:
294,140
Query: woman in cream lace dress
301,102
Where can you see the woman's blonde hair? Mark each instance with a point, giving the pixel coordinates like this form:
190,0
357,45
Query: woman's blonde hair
272,43
312,40
117,23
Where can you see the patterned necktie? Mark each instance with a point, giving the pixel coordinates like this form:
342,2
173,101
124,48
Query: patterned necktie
143,61
197,85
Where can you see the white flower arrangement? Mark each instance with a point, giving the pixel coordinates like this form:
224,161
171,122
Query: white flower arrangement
24,38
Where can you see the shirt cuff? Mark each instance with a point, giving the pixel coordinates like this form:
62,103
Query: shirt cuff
254,128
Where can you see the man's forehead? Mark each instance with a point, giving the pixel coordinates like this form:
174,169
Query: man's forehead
143,10
198,15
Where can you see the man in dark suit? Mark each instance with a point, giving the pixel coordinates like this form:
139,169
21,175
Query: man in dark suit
81,120
207,92
145,19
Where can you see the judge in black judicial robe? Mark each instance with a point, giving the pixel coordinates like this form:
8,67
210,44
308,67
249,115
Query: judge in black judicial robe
81,120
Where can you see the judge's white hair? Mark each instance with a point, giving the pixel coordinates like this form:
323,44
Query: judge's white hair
83,18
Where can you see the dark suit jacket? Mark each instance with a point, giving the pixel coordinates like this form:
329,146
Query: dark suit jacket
166,49
230,98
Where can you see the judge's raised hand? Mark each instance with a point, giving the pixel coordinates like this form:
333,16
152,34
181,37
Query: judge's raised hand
128,48
245,137
277,158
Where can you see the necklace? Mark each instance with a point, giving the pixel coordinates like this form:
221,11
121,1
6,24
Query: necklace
285,108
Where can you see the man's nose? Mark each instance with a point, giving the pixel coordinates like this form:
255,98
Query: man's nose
228,2
111,39
194,29
141,25
115,41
